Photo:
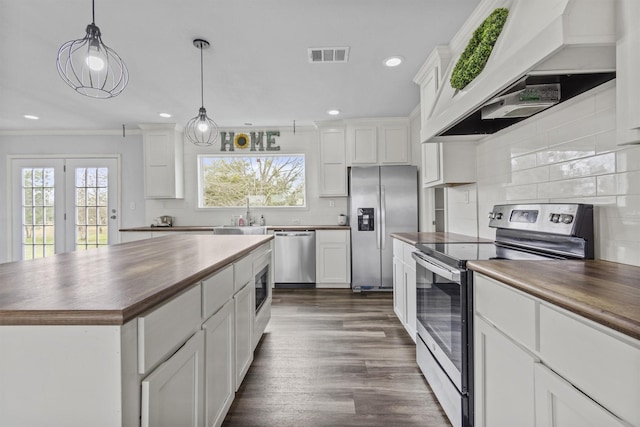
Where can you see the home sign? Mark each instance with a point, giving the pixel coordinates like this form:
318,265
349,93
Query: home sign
254,142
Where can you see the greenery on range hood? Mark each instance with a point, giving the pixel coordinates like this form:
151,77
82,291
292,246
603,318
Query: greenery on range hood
478,50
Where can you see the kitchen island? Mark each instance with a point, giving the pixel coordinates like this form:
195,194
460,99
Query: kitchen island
98,337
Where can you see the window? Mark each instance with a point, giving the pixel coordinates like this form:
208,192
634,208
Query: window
267,181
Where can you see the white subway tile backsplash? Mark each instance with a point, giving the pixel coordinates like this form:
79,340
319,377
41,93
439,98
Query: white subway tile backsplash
521,192
523,162
596,165
606,141
568,188
629,159
575,149
530,176
565,154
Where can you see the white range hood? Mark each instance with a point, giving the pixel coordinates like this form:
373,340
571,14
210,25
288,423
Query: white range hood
545,40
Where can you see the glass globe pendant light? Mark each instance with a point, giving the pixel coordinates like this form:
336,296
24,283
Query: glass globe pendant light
201,130
91,67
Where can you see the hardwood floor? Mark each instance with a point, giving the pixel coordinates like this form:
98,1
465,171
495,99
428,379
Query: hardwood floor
334,358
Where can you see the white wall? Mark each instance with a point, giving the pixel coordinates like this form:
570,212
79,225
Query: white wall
317,212
129,149
565,154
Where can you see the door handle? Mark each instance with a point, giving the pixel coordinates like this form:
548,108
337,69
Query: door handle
383,216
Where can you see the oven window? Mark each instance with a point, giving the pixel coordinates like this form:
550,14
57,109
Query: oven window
262,282
439,312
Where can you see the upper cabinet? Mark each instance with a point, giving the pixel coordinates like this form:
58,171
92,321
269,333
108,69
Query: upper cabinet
448,163
430,78
627,66
333,165
163,161
378,142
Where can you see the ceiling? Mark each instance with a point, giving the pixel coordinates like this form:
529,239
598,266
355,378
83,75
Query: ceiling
256,71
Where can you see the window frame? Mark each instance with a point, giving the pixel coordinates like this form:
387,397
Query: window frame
200,189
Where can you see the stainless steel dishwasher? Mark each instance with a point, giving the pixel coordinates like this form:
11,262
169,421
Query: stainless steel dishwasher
295,259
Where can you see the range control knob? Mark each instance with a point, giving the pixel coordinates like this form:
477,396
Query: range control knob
499,215
492,215
555,218
566,219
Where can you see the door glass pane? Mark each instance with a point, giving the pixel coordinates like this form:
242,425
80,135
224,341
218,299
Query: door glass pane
38,198
91,207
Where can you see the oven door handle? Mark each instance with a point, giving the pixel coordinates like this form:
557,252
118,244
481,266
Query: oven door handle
440,270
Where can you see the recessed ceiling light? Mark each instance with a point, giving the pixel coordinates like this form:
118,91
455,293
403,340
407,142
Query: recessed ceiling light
393,61
30,117
165,115
333,112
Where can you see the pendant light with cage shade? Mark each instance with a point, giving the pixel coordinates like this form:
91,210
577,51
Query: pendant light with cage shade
201,130
90,67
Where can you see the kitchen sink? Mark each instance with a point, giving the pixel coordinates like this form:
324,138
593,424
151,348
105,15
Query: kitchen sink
231,229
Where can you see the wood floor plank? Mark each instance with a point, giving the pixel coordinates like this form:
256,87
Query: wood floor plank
334,358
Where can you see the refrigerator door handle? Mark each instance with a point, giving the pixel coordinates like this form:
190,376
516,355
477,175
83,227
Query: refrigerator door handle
383,216
377,223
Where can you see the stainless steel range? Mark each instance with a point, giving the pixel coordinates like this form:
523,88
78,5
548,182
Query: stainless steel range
444,289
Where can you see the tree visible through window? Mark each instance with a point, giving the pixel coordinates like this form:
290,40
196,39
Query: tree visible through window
268,181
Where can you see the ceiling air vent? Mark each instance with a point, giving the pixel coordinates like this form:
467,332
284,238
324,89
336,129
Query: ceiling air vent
328,54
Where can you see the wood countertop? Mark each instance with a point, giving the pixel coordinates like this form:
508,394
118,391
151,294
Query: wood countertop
605,292
436,237
201,228
112,285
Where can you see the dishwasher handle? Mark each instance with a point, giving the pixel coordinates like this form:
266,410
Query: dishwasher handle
294,233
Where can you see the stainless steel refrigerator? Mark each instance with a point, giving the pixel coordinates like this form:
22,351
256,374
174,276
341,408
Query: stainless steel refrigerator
382,200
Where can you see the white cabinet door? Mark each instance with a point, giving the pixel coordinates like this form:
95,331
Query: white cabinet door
394,144
430,163
411,308
244,314
173,394
504,385
163,162
363,141
333,258
559,404
333,166
399,298
448,163
219,382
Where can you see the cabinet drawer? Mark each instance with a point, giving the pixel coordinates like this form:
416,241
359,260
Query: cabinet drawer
599,364
242,272
216,291
332,236
165,329
507,309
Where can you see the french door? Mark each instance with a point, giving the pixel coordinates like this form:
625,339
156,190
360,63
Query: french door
63,204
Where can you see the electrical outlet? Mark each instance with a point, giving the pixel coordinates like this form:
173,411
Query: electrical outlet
332,203
132,206
295,221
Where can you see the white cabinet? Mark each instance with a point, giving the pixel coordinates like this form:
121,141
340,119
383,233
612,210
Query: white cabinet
173,394
333,259
244,313
627,66
559,404
430,78
538,364
163,161
378,142
404,286
393,143
504,395
448,163
219,360
333,164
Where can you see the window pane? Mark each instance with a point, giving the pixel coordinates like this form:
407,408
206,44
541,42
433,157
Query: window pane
267,181
38,198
